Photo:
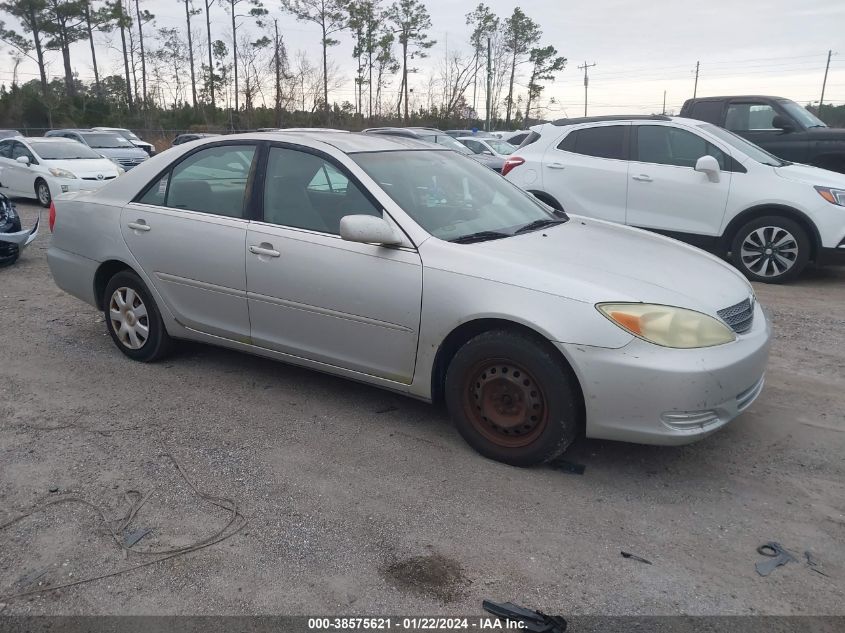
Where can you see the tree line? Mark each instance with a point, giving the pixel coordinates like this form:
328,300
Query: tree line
229,67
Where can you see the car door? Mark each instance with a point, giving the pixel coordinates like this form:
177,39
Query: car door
188,232
6,165
587,171
753,120
665,192
20,177
316,296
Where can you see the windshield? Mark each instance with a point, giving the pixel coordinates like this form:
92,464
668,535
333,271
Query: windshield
105,140
128,134
749,149
501,147
802,115
69,150
453,197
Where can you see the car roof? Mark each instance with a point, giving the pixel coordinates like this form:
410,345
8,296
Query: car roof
722,98
351,142
611,117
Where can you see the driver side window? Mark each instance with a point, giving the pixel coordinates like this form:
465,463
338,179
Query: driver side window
666,145
19,149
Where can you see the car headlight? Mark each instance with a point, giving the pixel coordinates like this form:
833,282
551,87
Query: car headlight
832,195
668,326
61,173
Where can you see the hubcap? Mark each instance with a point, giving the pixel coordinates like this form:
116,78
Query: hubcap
43,193
129,319
504,403
769,251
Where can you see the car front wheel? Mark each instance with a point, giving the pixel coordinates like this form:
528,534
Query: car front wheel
42,192
512,399
133,320
771,249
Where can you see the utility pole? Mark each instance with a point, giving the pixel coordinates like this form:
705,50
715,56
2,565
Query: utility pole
695,89
664,103
586,82
489,83
824,81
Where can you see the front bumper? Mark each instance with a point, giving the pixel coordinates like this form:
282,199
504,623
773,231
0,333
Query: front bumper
648,394
832,256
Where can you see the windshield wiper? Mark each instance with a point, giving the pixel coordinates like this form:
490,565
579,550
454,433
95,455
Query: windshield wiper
538,224
481,236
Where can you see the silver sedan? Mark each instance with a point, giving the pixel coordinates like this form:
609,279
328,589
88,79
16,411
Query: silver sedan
416,269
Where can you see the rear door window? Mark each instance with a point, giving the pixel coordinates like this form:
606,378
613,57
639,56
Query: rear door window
212,180
710,111
606,141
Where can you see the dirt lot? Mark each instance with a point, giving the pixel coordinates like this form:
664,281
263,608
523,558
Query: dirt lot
359,501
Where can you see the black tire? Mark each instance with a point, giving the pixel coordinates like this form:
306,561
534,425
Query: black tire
783,245
522,377
157,343
42,193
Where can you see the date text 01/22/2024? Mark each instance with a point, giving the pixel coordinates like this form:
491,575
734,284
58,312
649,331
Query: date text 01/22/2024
413,624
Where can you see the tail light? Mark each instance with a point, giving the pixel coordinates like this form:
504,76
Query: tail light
52,215
510,163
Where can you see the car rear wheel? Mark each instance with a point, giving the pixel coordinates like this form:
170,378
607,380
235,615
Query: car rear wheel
512,399
133,320
42,192
772,249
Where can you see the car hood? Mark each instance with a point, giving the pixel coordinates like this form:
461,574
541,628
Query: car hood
811,175
86,167
826,134
594,261
121,152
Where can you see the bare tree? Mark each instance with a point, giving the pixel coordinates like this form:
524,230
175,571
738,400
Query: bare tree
330,16
255,10
410,21
189,13
32,16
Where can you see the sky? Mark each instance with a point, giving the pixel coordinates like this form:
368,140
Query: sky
641,49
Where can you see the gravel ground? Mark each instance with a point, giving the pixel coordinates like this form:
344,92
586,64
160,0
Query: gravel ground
360,501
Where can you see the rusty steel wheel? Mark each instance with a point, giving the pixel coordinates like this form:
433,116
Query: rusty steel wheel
504,403
513,397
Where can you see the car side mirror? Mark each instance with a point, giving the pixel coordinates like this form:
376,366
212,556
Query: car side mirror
23,160
782,123
368,229
710,166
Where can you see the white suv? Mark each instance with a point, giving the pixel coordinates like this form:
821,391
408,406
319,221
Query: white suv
690,180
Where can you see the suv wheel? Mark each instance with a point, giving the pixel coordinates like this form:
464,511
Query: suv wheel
133,320
772,249
512,399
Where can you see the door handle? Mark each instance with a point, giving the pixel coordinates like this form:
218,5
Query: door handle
642,178
264,249
139,225
555,165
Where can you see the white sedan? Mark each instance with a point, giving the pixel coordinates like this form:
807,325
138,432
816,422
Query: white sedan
414,268
41,168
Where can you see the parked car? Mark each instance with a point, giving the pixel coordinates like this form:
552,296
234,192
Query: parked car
488,146
433,135
532,327
130,136
13,239
40,168
191,136
778,125
108,145
693,181
9,133
476,132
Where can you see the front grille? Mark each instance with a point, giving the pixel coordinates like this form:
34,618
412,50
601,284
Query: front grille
95,178
130,162
739,316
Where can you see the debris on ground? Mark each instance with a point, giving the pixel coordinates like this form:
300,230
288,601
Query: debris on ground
635,557
568,467
133,536
775,555
813,563
534,621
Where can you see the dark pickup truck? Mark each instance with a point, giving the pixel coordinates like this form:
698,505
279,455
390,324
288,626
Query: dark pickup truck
780,126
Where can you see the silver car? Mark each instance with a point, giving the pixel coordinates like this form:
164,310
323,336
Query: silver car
416,269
